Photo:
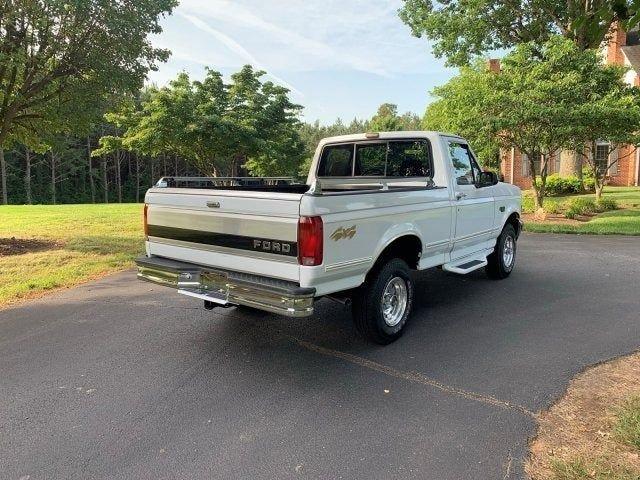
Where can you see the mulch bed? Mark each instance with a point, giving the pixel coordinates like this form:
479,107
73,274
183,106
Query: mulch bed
20,246
557,218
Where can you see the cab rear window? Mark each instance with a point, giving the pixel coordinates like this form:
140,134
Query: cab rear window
394,158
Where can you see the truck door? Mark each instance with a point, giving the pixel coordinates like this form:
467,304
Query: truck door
474,207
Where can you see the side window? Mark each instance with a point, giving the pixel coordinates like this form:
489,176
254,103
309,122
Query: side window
410,158
336,161
465,168
370,159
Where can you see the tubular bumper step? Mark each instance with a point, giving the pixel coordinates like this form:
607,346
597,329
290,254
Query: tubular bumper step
226,287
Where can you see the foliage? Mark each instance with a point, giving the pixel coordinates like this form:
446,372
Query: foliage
387,119
217,127
557,185
62,62
462,29
588,179
59,59
458,108
580,206
606,203
544,98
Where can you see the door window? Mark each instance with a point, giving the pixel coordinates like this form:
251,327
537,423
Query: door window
465,168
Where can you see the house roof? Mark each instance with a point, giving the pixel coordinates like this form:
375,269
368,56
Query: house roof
632,52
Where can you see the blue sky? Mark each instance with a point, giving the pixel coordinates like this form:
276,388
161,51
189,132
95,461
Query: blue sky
339,58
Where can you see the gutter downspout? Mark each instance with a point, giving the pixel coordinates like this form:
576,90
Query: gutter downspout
513,156
637,179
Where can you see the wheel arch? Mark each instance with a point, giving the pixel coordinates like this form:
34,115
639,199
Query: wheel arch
514,219
406,246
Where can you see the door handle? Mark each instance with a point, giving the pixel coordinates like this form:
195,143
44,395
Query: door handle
460,195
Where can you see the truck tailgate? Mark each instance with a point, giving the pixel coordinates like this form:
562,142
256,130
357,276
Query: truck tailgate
250,232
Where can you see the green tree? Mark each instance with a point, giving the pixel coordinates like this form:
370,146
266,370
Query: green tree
546,98
55,53
457,108
551,97
387,119
462,29
612,115
216,127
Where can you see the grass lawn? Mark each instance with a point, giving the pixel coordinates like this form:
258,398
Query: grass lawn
624,221
79,242
593,431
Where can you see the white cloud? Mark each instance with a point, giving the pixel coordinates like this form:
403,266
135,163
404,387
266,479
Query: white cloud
238,49
239,15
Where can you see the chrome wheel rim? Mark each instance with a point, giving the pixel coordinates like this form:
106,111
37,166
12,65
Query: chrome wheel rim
508,251
394,301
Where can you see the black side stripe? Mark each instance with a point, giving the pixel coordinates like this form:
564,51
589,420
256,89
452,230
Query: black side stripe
241,242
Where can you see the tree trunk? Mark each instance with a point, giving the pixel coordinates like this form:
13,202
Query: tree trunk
538,191
3,177
27,175
53,178
137,178
118,174
570,164
153,173
105,183
91,181
599,190
175,165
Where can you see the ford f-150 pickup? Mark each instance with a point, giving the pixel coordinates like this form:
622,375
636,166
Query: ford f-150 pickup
374,207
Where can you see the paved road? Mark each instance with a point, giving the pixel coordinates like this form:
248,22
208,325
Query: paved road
121,379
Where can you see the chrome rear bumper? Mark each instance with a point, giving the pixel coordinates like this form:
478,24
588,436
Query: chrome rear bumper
226,287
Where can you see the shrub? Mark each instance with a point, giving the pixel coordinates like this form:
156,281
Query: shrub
557,185
588,179
607,203
580,206
553,207
528,205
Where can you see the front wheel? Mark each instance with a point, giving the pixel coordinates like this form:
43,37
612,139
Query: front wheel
382,305
503,258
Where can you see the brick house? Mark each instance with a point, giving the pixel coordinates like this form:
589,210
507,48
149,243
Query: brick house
622,49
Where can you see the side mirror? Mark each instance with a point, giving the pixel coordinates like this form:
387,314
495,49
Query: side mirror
486,179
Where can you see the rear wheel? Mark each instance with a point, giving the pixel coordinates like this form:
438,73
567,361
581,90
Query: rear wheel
382,305
503,258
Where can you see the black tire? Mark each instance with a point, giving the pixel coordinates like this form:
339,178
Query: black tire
497,269
368,299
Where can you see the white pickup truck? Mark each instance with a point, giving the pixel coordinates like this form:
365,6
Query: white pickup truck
374,207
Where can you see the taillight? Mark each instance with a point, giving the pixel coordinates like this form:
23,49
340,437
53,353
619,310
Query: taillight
144,221
310,241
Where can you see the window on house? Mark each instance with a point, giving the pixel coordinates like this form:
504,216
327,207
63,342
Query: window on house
537,163
601,157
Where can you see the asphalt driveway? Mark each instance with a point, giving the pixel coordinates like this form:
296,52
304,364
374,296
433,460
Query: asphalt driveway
123,379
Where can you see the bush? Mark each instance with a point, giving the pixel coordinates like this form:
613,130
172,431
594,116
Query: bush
557,185
580,206
588,179
528,205
553,207
606,203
